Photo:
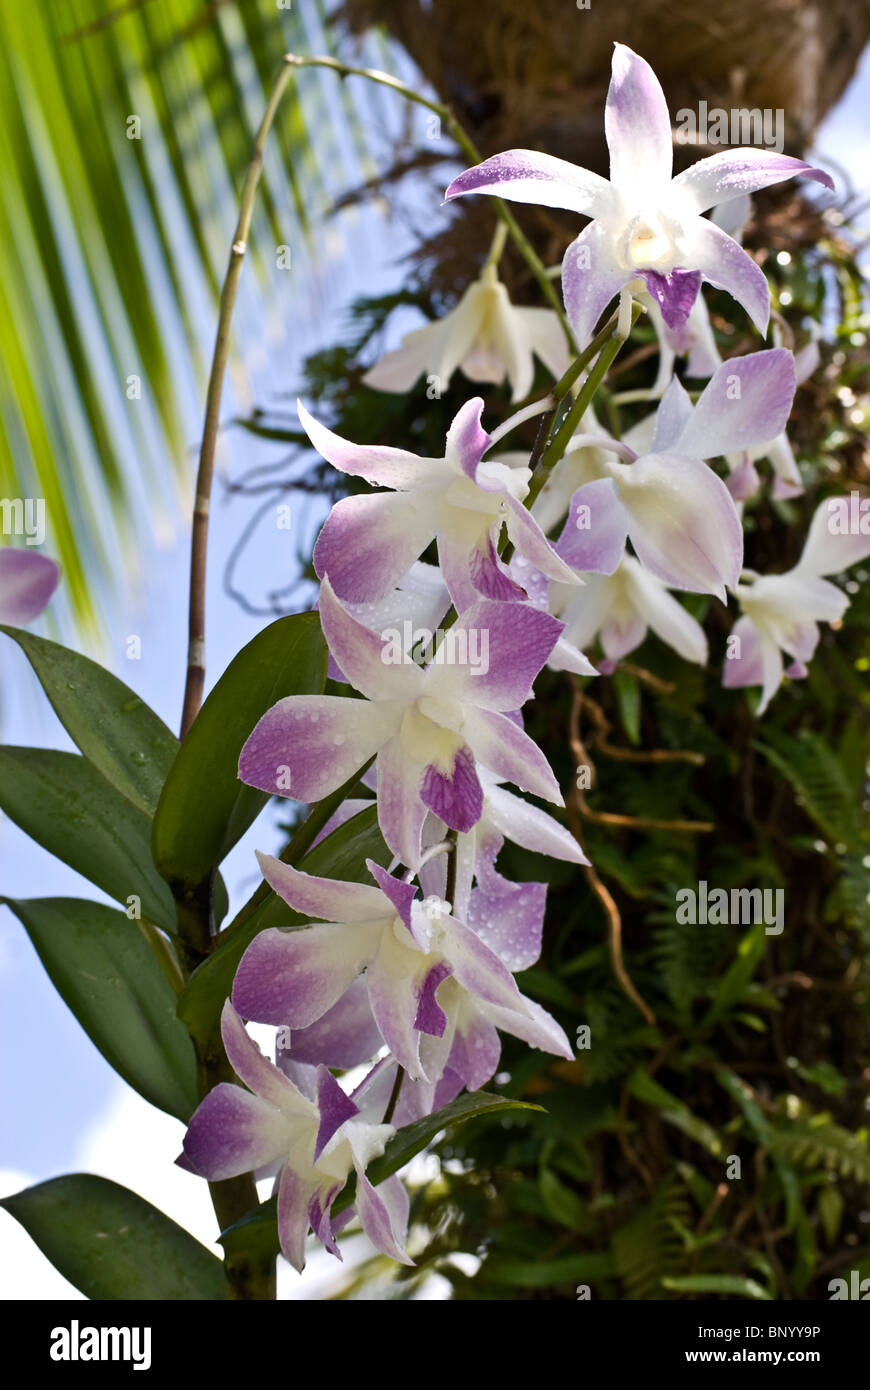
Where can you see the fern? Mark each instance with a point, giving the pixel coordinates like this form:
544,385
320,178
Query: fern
819,1144
820,782
648,1246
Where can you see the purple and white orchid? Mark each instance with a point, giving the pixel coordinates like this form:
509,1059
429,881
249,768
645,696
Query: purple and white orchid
312,1143
368,543
645,223
428,727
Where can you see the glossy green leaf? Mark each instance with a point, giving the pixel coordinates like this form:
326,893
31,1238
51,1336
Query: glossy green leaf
204,808
258,1230
125,740
59,800
341,855
112,1244
102,967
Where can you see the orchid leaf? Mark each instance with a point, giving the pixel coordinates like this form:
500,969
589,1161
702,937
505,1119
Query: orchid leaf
63,803
204,809
102,967
112,1244
116,731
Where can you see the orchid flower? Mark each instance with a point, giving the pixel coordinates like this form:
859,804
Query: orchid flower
744,481
678,515
645,223
427,726
486,336
314,1143
369,542
27,582
408,953
781,612
619,608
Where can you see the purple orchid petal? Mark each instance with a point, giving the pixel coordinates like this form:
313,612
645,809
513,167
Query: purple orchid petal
383,1215
683,523
532,544
757,661
293,978
514,639
467,440
256,1071
232,1132
294,1197
476,1049
534,1025
322,899
529,826
455,795
344,1037
320,1220
746,403
383,466
346,811
363,654
335,1108
637,124
591,276
672,416
307,745
675,293
430,1017
510,923
420,1098
27,582
526,176
489,576
394,978
401,813
734,173
596,529
400,894
457,557
367,543
508,751
744,482
727,266
621,633
476,966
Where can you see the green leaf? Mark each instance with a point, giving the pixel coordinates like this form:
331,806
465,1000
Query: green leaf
830,1207
112,1244
675,1111
104,970
204,809
116,731
258,1233
61,802
732,986
716,1283
627,690
341,855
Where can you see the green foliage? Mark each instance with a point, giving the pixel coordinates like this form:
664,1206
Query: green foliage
112,1244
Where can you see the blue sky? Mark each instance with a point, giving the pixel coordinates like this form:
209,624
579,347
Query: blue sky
64,1107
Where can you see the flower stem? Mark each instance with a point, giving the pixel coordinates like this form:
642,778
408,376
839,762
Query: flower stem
195,681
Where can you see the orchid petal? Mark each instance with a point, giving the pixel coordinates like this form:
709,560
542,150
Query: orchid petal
233,1132
666,616
734,173
727,266
519,640
363,655
343,1037
401,813
294,1196
599,546
671,418
292,978
529,826
510,923
476,1048
27,582
526,176
368,542
497,743
455,794
675,293
467,440
591,276
323,899
759,662
399,893
745,403
383,1215
334,1107
386,467
637,124
531,543
839,535
306,746
256,1071
534,1025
